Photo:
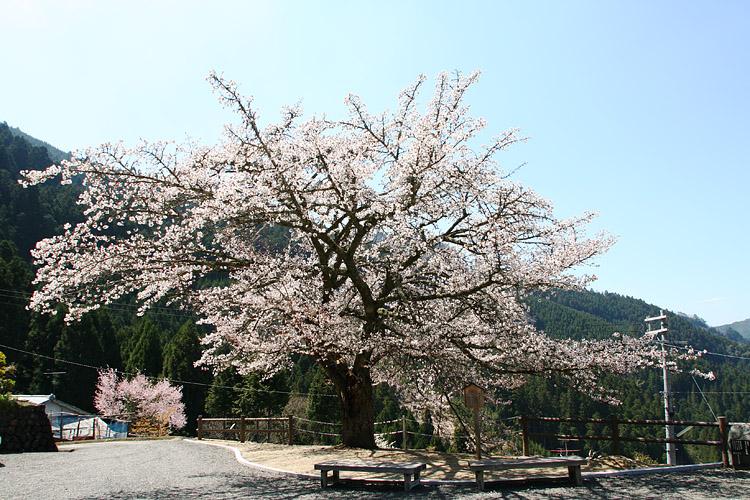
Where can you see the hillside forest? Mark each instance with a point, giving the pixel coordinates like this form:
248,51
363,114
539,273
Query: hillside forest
53,357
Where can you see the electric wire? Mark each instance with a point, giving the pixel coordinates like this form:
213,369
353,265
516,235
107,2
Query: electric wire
704,398
710,353
174,381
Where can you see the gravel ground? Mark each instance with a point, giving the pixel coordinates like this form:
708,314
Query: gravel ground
176,469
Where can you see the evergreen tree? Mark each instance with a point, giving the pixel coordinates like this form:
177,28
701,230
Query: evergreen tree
221,396
146,354
180,355
322,401
323,405
44,333
15,285
91,342
262,398
28,215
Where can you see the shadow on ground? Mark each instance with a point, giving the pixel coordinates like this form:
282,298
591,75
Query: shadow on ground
706,484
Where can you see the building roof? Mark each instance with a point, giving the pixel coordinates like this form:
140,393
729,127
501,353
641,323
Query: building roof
43,399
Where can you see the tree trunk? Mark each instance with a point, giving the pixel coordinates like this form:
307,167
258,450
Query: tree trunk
354,385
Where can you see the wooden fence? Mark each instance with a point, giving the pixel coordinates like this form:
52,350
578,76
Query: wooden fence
244,427
616,438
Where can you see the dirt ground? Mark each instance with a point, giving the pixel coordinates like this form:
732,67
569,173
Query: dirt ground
440,466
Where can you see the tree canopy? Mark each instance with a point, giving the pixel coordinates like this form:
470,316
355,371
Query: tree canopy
407,250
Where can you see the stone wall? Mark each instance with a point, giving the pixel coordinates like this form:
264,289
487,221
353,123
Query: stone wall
25,428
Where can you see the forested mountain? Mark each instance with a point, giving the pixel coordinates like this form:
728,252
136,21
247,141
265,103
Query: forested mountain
741,328
55,155
589,314
28,215
165,342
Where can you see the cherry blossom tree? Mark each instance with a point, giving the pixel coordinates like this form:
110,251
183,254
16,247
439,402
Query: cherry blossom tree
408,254
137,398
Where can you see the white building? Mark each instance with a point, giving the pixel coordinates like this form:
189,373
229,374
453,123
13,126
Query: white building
52,406
70,422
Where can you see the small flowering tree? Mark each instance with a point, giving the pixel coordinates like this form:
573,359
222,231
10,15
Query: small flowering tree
409,251
138,399
6,376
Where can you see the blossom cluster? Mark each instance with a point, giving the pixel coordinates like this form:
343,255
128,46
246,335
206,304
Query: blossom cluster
406,254
137,398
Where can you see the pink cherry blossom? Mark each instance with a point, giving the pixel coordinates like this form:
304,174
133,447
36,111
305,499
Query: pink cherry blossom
138,398
406,257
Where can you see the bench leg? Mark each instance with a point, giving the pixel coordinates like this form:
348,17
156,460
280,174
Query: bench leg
411,482
480,479
574,473
335,478
323,478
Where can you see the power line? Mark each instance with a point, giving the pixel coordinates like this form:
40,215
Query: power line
113,309
115,306
726,355
746,358
711,392
175,381
22,295
704,398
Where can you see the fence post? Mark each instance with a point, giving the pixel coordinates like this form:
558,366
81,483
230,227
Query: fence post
525,436
242,429
615,426
200,427
290,430
724,431
403,432
477,435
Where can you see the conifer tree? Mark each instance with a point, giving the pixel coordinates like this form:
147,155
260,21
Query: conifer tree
180,355
262,398
146,354
222,394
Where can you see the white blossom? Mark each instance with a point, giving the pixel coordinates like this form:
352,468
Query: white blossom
407,255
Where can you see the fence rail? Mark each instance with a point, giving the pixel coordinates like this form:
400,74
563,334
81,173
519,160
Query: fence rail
243,427
621,421
616,438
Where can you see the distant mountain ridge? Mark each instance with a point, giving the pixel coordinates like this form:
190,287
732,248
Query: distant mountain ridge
593,314
739,327
55,154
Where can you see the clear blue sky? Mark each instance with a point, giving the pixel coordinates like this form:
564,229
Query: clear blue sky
637,110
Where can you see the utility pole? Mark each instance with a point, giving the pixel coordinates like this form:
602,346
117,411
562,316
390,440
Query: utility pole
54,377
662,330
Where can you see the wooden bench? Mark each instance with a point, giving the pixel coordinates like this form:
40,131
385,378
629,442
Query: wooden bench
410,470
572,463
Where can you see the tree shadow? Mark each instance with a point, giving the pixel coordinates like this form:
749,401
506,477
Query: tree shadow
718,483
708,484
